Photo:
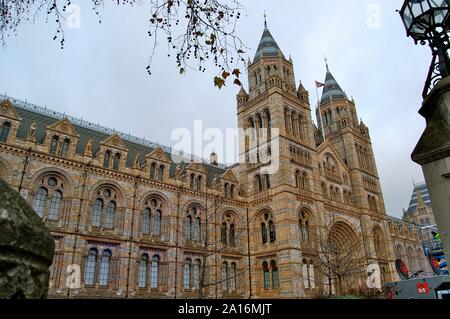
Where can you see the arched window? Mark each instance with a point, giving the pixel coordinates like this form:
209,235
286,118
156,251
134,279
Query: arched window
64,148
272,232
304,227
54,145
146,216
266,272
107,159
104,209
55,205
154,279
105,265
197,271
40,202
225,276
264,233
161,173
227,190
110,215
233,275
223,233
187,274
269,120
143,267
232,191
97,213
91,266
48,201
267,178
152,171
232,236
275,279
116,163
6,127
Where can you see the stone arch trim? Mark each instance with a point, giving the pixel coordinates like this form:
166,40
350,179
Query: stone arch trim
123,202
191,203
141,201
33,181
309,210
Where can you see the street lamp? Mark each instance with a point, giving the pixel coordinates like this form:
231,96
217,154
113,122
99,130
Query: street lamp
426,21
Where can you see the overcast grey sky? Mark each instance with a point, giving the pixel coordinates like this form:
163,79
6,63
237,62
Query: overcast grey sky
100,75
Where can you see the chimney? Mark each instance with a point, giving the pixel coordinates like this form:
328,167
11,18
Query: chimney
213,159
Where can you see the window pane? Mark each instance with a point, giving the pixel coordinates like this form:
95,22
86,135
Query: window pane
157,223
106,160
143,266
187,275
54,145
187,228
223,234
55,205
97,213
104,268
146,221
40,201
275,279
89,272
272,232
110,215
155,272
233,277
267,280
197,225
264,233
65,148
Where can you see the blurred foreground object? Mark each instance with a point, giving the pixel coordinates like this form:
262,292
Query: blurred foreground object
26,248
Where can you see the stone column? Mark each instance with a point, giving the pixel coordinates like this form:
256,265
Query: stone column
433,154
26,248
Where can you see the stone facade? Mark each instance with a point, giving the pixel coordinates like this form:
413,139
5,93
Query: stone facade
128,222
420,211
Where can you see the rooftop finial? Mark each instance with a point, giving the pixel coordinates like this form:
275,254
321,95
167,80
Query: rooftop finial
265,19
326,63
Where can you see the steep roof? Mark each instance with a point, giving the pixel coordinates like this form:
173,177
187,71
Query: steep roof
89,131
420,190
332,90
268,47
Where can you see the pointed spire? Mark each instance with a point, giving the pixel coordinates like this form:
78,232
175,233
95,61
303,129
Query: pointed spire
268,47
332,90
242,92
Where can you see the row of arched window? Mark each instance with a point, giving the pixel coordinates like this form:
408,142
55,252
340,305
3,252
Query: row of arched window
148,274
295,124
98,268
4,132
193,225
300,155
228,234
229,190
364,157
261,183
48,201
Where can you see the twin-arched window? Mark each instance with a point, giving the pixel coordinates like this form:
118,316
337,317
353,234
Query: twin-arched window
149,271
261,183
48,201
104,209
151,222
309,276
267,228
229,277
191,274
196,182
192,225
302,180
4,132
228,231
270,273
101,263
304,228
157,172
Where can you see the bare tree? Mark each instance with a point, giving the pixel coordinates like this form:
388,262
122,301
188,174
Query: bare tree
197,31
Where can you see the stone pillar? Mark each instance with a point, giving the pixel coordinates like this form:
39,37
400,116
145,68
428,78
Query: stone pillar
26,248
433,154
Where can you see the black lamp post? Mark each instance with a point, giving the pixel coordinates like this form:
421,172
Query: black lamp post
426,21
